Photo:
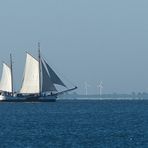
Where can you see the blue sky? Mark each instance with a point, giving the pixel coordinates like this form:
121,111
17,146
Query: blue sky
85,40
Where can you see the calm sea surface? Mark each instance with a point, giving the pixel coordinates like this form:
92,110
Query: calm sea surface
74,124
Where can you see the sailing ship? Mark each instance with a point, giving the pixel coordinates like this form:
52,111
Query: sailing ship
39,82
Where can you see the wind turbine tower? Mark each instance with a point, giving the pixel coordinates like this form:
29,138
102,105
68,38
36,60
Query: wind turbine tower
100,87
86,85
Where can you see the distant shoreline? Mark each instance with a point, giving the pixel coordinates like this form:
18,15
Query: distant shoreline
114,96
95,99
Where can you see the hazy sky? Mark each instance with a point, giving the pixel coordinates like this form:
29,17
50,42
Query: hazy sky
84,40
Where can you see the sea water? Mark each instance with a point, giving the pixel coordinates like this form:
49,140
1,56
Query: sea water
74,124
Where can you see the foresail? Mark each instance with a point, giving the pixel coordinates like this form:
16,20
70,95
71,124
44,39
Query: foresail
53,76
31,76
47,84
6,80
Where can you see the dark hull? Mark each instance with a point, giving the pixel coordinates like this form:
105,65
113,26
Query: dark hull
30,99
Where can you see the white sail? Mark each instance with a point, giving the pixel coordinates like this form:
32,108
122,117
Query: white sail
6,80
31,76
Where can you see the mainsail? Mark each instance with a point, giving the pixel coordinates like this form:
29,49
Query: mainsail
6,79
31,76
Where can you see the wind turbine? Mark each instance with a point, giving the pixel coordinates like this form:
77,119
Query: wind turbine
86,85
100,87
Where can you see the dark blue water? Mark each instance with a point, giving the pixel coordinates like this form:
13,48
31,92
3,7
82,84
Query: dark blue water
74,124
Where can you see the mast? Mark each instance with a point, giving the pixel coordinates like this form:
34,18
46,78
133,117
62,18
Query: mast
39,58
11,67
